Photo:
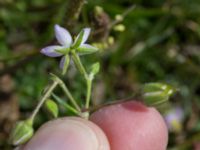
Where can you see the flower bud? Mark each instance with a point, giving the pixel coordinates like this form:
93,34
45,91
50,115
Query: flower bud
52,107
119,28
22,132
111,40
94,69
119,17
157,93
98,10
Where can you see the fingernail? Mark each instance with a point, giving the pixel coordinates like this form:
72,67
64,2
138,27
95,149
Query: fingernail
64,134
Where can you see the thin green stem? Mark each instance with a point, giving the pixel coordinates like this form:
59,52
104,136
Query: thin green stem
79,64
87,104
67,106
88,79
89,89
67,92
123,15
45,97
69,95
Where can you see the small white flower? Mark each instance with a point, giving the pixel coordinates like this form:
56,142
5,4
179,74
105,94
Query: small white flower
64,38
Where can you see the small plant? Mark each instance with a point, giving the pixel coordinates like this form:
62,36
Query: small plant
69,50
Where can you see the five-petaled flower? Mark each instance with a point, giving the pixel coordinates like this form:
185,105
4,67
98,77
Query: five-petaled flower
65,40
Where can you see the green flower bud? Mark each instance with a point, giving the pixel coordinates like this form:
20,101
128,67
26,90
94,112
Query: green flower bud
119,17
157,93
94,69
119,28
111,40
98,10
52,107
22,132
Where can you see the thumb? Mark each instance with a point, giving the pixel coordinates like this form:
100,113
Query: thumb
70,133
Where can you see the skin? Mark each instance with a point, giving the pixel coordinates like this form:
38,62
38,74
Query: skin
132,126
69,133
126,126
197,146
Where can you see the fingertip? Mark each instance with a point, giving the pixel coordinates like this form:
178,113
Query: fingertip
71,133
132,125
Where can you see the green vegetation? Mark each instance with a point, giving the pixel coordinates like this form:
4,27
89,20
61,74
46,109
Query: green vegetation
140,42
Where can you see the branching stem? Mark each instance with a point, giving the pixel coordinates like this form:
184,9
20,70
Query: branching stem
79,64
45,97
67,92
88,79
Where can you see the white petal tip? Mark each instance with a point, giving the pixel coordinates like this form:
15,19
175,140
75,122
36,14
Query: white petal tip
50,51
87,31
43,51
63,36
56,26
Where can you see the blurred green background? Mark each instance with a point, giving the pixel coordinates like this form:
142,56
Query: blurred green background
157,41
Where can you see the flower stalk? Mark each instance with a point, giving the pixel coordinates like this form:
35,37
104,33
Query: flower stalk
79,65
89,89
67,92
45,97
88,79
